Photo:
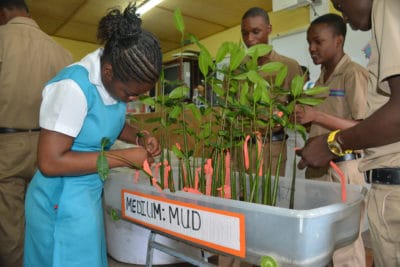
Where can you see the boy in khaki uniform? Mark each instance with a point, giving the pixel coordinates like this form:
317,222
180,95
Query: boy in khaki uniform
255,28
28,59
344,104
379,133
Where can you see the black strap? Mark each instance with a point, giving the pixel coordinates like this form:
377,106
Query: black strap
4,130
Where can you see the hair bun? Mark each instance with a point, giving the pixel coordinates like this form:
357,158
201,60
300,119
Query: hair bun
120,26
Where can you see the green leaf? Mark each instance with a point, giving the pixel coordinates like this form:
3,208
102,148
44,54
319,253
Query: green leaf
259,50
177,152
236,59
240,76
243,94
258,92
104,142
179,24
175,112
281,76
283,108
265,97
302,130
279,120
315,90
297,86
205,61
271,67
310,101
147,100
253,76
222,52
102,166
114,215
206,131
179,92
195,111
219,90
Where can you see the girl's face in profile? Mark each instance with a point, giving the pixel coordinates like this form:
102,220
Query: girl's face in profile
123,91
128,91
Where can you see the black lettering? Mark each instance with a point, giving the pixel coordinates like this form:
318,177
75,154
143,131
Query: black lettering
130,204
183,219
196,220
149,214
173,215
141,210
157,210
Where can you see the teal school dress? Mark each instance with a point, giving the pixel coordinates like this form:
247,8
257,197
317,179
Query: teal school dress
64,215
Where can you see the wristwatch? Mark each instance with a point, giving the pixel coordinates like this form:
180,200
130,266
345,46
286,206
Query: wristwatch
334,146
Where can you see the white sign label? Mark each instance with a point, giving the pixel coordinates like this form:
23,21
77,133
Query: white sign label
217,229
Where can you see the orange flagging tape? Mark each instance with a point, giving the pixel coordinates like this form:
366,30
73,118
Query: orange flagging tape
342,179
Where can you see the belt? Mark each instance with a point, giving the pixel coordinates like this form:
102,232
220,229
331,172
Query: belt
346,157
4,130
279,136
389,176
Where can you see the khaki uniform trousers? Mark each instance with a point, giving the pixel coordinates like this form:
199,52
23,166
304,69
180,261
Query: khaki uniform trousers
17,166
384,223
352,255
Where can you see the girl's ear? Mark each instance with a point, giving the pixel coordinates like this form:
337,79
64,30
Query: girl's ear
107,72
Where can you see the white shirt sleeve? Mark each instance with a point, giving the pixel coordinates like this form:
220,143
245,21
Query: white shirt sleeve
63,108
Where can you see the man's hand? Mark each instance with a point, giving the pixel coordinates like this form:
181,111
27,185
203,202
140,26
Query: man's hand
315,153
304,114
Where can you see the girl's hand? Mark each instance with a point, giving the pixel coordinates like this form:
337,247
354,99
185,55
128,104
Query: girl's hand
152,146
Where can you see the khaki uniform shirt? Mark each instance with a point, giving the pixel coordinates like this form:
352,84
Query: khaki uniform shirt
346,97
347,94
384,62
293,67
28,59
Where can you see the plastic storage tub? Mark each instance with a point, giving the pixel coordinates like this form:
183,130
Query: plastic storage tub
304,236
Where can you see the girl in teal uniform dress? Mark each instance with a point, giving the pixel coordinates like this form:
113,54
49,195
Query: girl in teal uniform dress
82,104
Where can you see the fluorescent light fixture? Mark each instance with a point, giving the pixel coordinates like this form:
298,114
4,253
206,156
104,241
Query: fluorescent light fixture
147,6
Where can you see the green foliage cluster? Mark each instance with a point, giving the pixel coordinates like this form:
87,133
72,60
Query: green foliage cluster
247,103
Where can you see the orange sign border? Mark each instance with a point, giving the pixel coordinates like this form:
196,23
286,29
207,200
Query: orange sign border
241,252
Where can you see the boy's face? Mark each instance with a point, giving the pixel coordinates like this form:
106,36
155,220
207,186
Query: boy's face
355,12
255,30
323,44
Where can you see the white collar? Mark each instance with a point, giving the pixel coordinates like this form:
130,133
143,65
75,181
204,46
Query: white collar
91,62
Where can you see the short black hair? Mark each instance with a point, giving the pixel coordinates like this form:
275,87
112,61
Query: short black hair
256,12
11,4
334,21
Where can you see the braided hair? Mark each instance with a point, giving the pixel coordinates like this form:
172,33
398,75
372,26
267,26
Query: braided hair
133,52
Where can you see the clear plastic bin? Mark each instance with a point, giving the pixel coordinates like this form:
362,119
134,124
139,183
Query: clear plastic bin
304,236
